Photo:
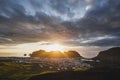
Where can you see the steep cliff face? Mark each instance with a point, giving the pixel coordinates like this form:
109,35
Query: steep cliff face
110,56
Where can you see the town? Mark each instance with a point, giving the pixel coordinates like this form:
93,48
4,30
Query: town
49,63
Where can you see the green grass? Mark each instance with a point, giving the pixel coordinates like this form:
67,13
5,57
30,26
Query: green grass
16,71
46,72
81,69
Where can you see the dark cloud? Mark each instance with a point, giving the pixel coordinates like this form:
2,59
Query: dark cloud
101,20
75,22
106,42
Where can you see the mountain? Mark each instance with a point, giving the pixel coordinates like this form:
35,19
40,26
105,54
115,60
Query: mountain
55,54
111,55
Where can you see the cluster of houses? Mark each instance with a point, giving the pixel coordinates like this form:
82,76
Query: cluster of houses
49,63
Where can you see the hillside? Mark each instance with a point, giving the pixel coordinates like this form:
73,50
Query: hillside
92,74
110,57
55,54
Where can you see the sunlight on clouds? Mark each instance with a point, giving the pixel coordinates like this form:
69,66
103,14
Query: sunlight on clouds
97,39
88,7
6,39
73,23
28,48
68,13
41,45
55,47
64,16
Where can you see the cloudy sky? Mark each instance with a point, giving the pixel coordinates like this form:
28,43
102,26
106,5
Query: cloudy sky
87,26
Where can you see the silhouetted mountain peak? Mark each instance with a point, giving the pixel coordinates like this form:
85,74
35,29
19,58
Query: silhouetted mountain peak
55,54
112,52
110,55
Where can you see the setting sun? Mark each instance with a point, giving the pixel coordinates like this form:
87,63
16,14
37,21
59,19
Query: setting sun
55,47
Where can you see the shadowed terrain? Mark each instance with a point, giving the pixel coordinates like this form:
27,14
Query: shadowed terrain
108,68
92,74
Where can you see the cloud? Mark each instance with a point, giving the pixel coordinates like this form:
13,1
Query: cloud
74,22
98,22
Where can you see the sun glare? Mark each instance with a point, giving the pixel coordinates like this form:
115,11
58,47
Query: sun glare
55,47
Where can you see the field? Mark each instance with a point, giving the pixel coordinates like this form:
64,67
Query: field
14,71
23,71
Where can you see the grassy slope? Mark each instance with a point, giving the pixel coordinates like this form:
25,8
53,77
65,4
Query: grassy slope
91,74
14,71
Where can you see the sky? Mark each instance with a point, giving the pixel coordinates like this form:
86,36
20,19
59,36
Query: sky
87,26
